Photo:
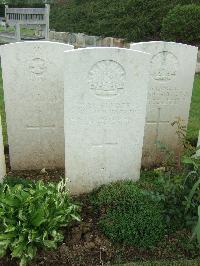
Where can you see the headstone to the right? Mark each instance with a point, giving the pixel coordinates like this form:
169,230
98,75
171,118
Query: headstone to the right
198,63
172,70
105,108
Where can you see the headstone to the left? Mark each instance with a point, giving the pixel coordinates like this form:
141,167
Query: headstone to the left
34,92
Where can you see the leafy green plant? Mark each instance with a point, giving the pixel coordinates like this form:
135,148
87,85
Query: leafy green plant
177,182
167,186
180,190
168,159
196,232
193,197
172,159
129,214
13,180
33,217
182,24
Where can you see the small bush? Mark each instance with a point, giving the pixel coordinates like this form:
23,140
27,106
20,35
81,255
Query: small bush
182,24
130,215
178,191
12,181
33,217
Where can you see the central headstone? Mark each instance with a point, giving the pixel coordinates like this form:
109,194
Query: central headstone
172,70
105,108
34,91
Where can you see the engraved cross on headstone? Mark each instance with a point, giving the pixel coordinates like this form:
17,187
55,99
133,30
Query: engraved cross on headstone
40,127
102,147
157,123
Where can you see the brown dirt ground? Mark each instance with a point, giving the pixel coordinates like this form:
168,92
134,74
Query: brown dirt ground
84,244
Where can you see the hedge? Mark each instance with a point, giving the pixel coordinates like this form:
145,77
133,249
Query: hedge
182,24
134,20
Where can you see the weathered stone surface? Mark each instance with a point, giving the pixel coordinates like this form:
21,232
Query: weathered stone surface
33,89
108,42
198,63
80,40
105,108
91,41
172,70
72,38
52,35
119,42
2,156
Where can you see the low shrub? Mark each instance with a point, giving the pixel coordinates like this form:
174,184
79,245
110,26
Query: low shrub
192,181
13,180
172,194
182,24
130,215
33,218
178,190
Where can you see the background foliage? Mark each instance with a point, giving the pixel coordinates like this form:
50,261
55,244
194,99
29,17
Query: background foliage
134,20
182,23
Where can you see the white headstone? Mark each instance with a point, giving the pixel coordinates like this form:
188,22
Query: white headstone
2,156
172,70
34,92
105,107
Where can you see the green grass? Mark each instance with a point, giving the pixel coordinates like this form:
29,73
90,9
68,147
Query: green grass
9,29
194,120
25,31
164,263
